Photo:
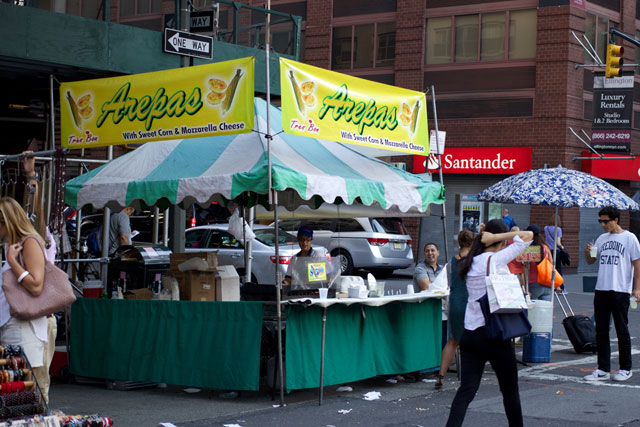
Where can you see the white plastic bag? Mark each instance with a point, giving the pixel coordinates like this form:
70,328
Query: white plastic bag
504,291
235,227
441,282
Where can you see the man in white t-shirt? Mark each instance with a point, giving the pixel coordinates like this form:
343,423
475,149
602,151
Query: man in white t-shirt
618,256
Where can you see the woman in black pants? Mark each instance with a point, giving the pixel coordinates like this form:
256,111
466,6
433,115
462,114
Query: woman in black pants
475,348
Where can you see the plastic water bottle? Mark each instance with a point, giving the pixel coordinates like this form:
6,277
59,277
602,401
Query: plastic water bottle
633,304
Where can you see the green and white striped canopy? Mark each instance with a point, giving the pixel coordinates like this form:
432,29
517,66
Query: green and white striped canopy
305,171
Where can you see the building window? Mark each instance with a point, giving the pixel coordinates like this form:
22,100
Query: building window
438,40
85,8
130,8
597,32
466,37
356,46
522,31
386,44
601,43
481,37
492,37
341,48
363,46
637,52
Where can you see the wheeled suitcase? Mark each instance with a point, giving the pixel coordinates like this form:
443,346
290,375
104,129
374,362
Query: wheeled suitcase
579,329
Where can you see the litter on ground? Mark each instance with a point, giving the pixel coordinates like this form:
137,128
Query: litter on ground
372,395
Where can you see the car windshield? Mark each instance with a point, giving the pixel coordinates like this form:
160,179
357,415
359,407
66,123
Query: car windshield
388,225
268,236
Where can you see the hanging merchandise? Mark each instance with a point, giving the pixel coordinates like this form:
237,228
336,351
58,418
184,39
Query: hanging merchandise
56,219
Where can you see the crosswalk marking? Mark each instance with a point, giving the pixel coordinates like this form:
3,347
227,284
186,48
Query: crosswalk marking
543,371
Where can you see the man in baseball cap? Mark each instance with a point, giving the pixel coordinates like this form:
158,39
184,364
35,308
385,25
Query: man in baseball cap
305,237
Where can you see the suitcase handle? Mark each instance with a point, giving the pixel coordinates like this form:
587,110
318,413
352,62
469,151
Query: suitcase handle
562,307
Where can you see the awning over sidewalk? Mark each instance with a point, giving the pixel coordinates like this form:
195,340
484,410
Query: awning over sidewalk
612,167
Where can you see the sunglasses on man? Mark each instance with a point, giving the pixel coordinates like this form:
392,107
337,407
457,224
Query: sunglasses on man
604,221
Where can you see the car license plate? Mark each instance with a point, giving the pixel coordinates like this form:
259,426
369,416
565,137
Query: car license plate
397,246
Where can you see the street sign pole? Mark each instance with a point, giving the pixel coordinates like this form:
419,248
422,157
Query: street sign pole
174,215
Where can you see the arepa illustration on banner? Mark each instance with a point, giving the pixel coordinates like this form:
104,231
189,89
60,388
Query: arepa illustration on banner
329,105
205,100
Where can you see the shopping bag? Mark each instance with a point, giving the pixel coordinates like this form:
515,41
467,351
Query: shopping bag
441,281
504,326
235,228
57,293
545,270
504,291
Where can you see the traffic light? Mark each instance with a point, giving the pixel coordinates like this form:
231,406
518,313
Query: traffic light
614,61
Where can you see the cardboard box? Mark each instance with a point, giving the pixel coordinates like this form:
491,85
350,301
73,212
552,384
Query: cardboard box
144,293
227,284
211,257
197,285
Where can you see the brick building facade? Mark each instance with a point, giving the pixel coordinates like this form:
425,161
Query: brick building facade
504,74
528,101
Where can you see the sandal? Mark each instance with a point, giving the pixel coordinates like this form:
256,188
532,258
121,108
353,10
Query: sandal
439,382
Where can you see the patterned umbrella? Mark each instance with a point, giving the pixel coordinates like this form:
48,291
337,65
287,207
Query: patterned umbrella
558,187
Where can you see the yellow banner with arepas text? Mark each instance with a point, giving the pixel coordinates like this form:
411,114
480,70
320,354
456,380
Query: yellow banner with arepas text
205,100
328,105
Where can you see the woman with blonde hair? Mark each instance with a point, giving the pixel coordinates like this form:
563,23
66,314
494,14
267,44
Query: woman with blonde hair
26,259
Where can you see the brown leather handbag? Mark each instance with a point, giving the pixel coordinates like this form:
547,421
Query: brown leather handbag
57,293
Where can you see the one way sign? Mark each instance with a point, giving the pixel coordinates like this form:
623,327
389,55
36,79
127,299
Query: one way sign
183,43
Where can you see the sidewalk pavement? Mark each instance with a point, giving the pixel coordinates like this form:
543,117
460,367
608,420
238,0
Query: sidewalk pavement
402,404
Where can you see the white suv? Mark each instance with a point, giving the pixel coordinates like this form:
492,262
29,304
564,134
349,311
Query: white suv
379,245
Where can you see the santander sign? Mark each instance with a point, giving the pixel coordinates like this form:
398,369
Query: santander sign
478,160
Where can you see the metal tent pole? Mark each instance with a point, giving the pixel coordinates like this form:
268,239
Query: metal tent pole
52,146
322,342
273,199
444,211
555,250
165,228
106,222
248,266
278,300
156,225
78,224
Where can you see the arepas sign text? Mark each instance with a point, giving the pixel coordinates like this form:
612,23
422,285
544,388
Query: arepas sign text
329,105
207,100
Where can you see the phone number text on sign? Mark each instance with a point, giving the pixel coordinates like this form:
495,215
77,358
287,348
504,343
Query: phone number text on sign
611,136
